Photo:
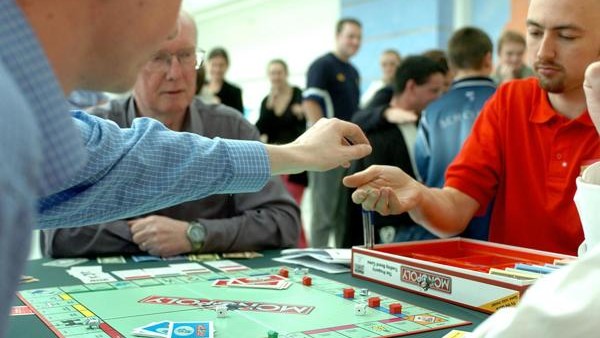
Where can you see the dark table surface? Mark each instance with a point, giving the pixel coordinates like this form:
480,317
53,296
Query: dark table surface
31,326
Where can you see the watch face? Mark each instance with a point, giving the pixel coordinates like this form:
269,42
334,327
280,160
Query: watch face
196,234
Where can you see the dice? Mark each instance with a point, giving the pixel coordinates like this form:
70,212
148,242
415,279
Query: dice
221,311
360,309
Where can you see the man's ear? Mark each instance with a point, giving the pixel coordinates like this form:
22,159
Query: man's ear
410,85
488,61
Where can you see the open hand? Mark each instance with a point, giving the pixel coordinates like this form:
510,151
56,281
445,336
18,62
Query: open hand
385,189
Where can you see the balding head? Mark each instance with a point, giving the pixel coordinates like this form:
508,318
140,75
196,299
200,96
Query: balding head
166,85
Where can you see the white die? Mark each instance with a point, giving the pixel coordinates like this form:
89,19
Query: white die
360,309
93,323
221,311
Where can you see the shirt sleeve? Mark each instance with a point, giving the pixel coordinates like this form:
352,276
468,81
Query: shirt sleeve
90,241
148,167
316,83
476,170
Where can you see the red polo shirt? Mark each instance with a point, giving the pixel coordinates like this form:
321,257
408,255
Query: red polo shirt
525,157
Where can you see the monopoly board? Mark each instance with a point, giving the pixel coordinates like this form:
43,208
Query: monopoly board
300,311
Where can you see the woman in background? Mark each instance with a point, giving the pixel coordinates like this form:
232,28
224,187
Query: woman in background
221,90
282,120
389,62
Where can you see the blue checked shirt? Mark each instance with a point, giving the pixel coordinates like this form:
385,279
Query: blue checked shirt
58,169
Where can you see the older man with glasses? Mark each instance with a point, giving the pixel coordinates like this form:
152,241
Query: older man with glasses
164,90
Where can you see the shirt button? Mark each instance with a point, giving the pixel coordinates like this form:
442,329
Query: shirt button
564,164
558,156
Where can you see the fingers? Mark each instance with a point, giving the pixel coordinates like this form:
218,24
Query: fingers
352,132
362,177
592,76
382,204
591,85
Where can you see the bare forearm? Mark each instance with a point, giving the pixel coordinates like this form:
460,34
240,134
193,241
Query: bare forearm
312,111
328,144
287,159
445,212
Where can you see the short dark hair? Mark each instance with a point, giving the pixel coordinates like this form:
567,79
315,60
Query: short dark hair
468,48
417,68
439,56
218,52
280,62
340,24
510,36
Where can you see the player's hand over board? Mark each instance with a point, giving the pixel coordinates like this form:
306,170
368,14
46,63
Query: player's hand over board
385,189
160,236
328,144
591,85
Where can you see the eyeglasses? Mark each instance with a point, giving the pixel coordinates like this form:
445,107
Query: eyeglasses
187,58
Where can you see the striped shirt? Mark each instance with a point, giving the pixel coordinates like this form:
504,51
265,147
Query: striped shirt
58,168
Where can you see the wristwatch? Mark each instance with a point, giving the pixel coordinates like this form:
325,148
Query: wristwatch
196,233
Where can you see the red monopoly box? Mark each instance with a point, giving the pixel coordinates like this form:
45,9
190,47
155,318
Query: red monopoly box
456,270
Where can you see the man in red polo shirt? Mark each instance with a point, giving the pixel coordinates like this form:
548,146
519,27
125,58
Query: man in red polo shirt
526,148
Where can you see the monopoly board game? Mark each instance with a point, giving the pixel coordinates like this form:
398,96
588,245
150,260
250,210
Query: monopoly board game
300,311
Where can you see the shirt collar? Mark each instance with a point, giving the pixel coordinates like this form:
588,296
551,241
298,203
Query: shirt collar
471,81
546,113
192,122
23,55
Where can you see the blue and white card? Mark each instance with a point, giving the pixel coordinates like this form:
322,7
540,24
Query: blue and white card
191,330
155,329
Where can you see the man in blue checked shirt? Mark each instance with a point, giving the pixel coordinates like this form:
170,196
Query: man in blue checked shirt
57,169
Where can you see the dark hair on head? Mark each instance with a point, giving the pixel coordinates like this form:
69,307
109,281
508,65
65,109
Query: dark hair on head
468,48
218,52
280,62
340,24
438,56
417,68
511,36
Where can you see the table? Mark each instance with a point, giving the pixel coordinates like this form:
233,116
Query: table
31,326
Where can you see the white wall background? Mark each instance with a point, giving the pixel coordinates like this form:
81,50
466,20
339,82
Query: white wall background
256,31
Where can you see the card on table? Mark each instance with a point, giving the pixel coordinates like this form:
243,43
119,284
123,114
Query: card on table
65,262
154,329
203,257
145,258
131,274
191,330
227,266
111,260
190,268
242,255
